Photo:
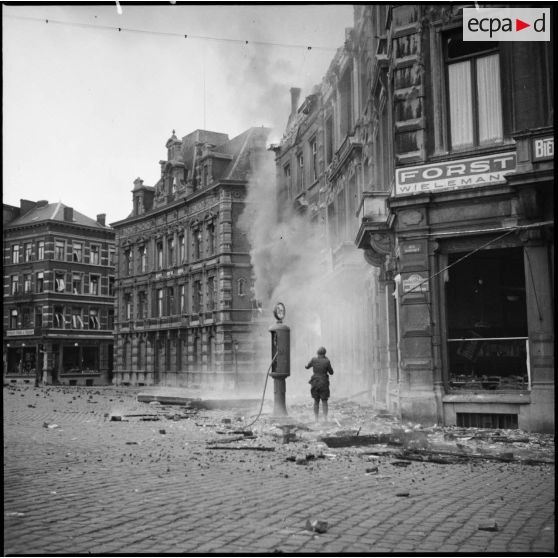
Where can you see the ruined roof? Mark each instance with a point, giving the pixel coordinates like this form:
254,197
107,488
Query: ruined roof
54,212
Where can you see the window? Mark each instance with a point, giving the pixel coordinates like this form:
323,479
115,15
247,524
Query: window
159,255
26,320
15,253
127,306
40,250
94,281
110,319
196,297
111,286
128,262
27,283
111,258
14,284
160,295
40,282
170,252
197,244
241,287
300,162
94,322
76,283
346,103
38,316
94,254
474,92
13,319
288,184
170,301
77,252
142,259
59,282
59,250
77,322
58,317
27,252
329,139
314,152
211,238
205,178
182,249
182,298
142,305
211,293
140,359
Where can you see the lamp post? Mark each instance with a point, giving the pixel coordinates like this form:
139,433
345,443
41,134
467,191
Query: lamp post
235,353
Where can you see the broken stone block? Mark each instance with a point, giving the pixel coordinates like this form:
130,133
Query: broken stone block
316,525
301,460
162,431
116,418
226,421
490,525
402,493
371,470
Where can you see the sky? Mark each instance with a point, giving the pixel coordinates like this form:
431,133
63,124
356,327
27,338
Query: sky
87,110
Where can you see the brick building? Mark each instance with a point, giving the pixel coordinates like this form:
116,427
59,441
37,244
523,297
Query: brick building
435,157
58,294
184,311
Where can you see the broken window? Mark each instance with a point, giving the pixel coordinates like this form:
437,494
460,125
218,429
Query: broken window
94,322
26,319
77,252
90,358
160,299
159,255
127,306
300,164
211,238
346,103
211,293
329,139
111,286
487,321
40,282
58,317
59,282
170,252
13,319
181,249
288,183
197,244
314,153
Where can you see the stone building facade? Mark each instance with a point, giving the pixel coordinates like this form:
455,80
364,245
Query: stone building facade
58,295
435,158
184,304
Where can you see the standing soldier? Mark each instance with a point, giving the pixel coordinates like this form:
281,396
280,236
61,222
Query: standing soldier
319,382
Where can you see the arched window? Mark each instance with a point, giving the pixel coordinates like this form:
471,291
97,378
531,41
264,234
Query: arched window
241,287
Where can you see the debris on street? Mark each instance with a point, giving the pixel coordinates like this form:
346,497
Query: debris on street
316,525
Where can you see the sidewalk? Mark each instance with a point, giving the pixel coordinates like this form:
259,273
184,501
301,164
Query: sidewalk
77,482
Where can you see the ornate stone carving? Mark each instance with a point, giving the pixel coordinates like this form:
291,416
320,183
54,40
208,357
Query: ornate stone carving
411,217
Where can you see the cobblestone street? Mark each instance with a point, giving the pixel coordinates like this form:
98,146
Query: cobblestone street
92,485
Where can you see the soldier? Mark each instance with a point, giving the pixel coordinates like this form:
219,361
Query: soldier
321,367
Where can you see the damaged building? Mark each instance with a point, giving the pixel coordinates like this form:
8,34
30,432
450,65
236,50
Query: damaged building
184,306
58,295
434,156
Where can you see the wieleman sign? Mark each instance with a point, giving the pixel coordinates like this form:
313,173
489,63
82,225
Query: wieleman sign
453,175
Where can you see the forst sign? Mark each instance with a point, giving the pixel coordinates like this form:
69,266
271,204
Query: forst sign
454,175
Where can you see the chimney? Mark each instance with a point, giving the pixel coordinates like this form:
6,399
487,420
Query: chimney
101,218
68,214
295,96
26,206
42,203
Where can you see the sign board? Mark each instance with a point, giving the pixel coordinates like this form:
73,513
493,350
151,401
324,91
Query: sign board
543,148
18,332
454,175
412,283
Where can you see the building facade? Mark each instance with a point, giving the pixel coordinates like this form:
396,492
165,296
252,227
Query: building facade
184,310
461,218
434,157
58,295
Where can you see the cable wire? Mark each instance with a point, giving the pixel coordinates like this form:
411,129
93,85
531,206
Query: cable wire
263,394
171,34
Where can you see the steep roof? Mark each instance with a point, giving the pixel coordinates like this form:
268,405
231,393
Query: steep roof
54,212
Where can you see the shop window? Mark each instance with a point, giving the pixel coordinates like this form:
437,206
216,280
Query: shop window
27,283
71,359
59,250
94,254
15,253
77,252
59,281
14,284
76,283
58,317
487,321
40,282
27,252
94,322
94,281
474,91
40,250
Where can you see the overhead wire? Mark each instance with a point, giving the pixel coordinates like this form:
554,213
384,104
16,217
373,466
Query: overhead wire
170,33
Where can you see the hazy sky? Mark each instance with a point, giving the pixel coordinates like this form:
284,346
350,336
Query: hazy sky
86,110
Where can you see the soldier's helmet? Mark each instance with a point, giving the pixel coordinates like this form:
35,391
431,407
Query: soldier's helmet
321,351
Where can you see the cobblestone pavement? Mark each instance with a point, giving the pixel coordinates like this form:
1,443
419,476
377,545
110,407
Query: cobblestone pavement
92,485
